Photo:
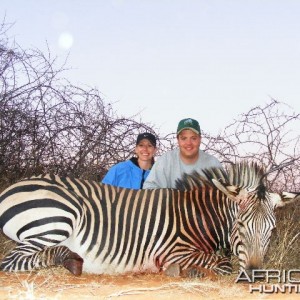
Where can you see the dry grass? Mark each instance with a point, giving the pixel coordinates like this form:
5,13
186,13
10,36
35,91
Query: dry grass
57,283
285,243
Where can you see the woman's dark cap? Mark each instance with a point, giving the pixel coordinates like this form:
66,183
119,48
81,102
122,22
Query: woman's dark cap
146,135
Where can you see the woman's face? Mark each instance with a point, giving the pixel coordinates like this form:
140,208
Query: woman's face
145,150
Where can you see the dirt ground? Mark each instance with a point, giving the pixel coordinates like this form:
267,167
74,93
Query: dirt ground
57,283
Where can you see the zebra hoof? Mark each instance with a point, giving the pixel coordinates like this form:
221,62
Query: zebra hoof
74,265
173,270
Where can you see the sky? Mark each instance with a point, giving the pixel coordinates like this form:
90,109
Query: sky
211,60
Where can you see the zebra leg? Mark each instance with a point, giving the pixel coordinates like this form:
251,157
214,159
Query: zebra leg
223,265
199,272
211,266
68,259
175,270
199,265
27,257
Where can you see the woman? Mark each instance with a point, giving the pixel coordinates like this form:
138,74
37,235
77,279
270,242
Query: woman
133,172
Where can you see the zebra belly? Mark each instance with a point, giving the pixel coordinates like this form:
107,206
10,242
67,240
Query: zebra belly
110,263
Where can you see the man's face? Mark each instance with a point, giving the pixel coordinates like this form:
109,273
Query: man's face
189,143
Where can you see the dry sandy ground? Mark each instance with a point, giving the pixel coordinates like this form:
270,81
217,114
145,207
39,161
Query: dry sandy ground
57,283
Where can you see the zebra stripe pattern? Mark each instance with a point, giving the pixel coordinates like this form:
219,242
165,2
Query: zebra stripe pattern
84,225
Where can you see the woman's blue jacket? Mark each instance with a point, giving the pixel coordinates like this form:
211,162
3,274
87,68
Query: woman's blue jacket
126,174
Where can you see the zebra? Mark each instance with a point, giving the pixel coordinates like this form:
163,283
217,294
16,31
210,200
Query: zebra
87,226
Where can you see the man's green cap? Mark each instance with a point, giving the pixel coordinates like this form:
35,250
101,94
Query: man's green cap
188,124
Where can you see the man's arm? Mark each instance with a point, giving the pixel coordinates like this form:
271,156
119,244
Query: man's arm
156,178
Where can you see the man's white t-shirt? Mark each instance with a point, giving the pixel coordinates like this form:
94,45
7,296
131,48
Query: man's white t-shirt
169,167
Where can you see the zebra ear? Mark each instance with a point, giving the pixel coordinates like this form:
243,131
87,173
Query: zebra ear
231,191
286,198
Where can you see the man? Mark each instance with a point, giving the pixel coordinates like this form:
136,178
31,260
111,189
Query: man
185,159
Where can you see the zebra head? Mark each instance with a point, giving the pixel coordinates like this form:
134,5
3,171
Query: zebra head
255,216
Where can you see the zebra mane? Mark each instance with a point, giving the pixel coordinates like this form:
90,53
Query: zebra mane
242,175
245,175
193,181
